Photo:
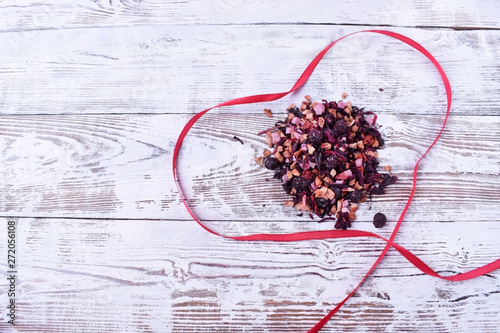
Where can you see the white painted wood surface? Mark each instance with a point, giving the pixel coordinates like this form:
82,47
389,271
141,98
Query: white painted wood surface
93,95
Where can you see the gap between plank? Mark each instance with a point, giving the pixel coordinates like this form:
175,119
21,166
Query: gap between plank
436,27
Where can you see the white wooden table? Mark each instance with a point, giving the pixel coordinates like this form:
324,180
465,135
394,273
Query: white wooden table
93,95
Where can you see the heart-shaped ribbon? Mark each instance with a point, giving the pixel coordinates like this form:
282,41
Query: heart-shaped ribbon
329,234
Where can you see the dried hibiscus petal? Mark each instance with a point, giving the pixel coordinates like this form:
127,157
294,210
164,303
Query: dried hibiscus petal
325,153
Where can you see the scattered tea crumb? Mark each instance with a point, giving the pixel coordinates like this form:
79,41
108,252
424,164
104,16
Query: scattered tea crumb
380,89
260,160
268,113
344,95
388,168
238,139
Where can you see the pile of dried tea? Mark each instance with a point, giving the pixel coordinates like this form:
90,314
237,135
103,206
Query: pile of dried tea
325,153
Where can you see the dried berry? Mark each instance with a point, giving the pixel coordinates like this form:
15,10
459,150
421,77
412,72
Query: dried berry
322,202
315,137
340,128
271,163
331,162
299,183
355,196
325,153
329,120
379,220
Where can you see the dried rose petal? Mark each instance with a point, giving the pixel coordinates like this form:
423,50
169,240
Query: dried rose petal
275,137
319,108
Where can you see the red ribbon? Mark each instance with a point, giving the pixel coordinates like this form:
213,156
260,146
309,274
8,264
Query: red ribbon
329,234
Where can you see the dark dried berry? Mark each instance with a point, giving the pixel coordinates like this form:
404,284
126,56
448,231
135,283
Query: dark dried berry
340,127
299,183
379,220
331,162
271,163
315,137
355,196
329,120
322,202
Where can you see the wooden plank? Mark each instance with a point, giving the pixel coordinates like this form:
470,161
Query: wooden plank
85,13
119,166
94,93
169,276
184,69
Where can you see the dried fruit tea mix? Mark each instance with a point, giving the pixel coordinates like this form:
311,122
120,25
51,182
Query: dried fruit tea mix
325,154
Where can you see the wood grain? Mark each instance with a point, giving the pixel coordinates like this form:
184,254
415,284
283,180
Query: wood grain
185,69
85,166
157,276
97,13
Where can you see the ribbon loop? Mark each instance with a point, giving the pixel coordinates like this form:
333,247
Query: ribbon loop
330,234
